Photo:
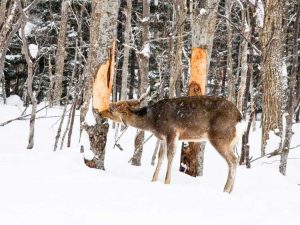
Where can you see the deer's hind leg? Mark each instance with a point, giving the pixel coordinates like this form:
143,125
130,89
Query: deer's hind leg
171,140
161,155
226,151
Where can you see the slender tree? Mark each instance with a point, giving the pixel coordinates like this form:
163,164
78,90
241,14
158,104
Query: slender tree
127,33
291,102
60,54
144,82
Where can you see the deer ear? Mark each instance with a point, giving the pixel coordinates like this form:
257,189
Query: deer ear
138,111
134,103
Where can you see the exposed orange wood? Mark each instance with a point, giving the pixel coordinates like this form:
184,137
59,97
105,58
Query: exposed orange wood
102,86
199,65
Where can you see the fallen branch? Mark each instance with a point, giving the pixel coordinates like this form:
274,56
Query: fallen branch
274,153
21,117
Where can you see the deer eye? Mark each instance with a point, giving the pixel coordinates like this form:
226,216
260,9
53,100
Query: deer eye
124,113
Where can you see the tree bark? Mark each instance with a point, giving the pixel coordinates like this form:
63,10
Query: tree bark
29,83
8,30
244,61
292,93
176,65
60,54
271,42
126,50
229,69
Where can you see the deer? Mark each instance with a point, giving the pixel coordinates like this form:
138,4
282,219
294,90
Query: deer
192,118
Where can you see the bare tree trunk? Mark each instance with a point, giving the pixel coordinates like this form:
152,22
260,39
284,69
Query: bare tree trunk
245,152
244,62
203,28
229,73
176,67
60,54
271,42
292,93
73,110
144,69
126,50
29,83
51,83
102,36
7,31
68,95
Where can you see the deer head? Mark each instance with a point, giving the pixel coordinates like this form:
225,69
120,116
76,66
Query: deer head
123,110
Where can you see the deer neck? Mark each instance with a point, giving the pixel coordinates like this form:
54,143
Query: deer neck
139,120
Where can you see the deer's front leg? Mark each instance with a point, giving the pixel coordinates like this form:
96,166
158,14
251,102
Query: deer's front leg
161,156
170,154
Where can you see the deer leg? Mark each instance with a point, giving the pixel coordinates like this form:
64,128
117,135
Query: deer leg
232,164
170,154
161,154
226,151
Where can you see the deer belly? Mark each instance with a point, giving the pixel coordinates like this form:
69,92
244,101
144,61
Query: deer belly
193,138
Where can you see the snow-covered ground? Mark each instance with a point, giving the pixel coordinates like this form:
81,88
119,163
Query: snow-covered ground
41,187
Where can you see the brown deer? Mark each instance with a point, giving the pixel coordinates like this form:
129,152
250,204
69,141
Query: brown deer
194,119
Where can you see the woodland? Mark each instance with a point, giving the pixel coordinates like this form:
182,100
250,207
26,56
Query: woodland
80,56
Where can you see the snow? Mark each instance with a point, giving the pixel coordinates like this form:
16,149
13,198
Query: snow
40,186
14,100
72,34
203,11
29,27
146,50
145,19
13,57
90,119
33,50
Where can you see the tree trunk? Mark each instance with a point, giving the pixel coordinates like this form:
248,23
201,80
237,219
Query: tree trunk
60,54
102,34
8,29
292,92
229,73
127,32
176,65
29,84
244,62
203,28
271,42
144,69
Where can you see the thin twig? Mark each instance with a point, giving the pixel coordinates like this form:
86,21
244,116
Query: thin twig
116,142
143,144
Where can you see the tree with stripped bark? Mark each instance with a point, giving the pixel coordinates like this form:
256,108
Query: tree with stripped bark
99,76
203,28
